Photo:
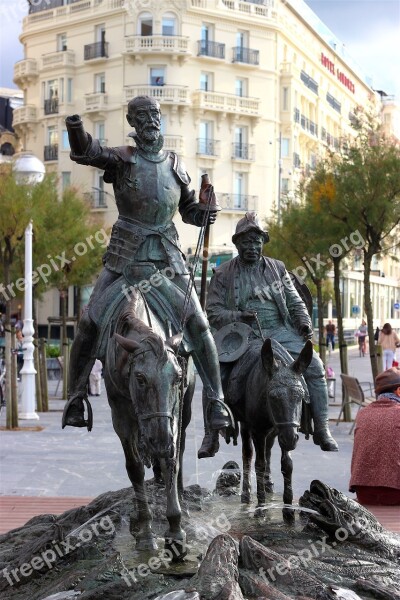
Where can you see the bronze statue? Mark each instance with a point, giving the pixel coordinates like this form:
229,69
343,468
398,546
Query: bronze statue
150,185
258,291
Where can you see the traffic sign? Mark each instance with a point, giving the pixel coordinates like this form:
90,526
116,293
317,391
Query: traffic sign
355,309
396,306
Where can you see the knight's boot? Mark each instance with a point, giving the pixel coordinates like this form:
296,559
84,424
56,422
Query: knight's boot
322,436
210,444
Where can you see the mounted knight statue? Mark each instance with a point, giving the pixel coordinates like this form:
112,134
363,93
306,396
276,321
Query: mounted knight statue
252,298
144,255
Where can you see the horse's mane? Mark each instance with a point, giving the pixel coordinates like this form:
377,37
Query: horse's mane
127,321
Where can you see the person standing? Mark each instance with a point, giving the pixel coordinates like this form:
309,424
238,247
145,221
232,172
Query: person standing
389,340
375,472
95,378
361,333
330,334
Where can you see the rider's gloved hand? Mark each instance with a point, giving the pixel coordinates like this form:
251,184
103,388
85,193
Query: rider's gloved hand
247,316
306,331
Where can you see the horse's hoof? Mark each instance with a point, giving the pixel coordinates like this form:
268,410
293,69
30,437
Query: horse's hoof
146,544
245,498
288,516
269,487
176,546
260,511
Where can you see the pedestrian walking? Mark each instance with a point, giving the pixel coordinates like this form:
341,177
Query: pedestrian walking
389,340
95,378
330,334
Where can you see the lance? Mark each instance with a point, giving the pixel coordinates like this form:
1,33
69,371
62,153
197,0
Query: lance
208,201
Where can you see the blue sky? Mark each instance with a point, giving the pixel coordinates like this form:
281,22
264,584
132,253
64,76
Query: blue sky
370,30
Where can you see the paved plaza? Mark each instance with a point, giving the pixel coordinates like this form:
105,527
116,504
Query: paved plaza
74,463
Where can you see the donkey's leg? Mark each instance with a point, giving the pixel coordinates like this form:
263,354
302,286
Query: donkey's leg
247,455
287,469
268,483
259,445
145,539
175,537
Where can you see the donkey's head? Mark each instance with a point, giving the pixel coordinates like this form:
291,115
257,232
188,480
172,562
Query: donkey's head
285,392
154,385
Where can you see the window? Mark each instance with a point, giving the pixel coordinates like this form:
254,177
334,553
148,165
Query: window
206,82
241,149
285,98
99,131
100,32
239,187
285,142
61,42
168,24
100,83
206,33
285,185
145,24
52,135
241,39
206,144
52,89
69,89
240,87
65,140
157,75
65,179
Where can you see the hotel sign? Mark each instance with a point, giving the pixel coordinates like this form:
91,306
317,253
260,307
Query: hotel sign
328,64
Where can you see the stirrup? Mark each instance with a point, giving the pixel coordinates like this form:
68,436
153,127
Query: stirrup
88,423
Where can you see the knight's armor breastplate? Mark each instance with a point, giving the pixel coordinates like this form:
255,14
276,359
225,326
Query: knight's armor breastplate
147,194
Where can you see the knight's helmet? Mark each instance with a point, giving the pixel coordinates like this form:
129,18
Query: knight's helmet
250,222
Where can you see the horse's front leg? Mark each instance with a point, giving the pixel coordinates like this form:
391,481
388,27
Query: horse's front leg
268,483
145,539
259,445
247,455
287,469
175,537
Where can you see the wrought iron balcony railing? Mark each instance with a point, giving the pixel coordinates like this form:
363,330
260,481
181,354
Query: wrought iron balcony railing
51,106
235,202
51,152
96,50
243,151
207,146
245,55
213,49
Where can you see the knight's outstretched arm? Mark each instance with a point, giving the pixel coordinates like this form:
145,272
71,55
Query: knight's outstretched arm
84,149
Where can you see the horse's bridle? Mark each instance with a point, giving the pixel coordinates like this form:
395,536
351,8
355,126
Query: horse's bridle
153,415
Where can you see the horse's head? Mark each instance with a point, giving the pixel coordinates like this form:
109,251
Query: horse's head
154,385
285,392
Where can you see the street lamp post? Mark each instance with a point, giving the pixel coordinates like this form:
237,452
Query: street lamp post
29,170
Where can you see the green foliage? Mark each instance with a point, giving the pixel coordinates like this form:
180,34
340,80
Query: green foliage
53,351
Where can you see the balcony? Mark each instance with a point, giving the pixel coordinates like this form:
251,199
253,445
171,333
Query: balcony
208,147
96,102
25,71
51,106
210,49
170,45
174,143
334,103
238,202
308,125
95,50
24,115
243,152
51,152
257,8
245,56
309,82
56,60
226,103
165,94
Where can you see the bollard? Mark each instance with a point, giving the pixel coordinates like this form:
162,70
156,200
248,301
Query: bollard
66,349
38,385
344,365
13,382
43,374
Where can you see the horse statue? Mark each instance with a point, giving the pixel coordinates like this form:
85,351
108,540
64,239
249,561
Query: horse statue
150,402
269,393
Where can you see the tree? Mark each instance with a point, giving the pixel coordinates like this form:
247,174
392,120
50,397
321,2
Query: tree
68,241
367,198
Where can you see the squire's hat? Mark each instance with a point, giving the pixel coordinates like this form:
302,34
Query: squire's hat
249,222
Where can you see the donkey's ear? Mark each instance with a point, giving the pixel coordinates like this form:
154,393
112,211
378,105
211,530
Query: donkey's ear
304,358
267,357
128,345
174,342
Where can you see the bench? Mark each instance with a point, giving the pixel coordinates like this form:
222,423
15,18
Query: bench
355,394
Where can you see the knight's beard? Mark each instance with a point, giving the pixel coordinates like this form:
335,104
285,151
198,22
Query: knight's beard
150,141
